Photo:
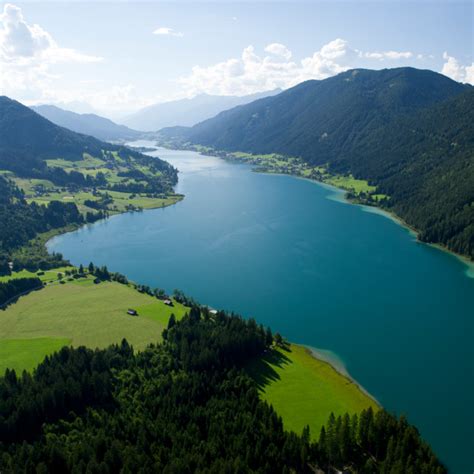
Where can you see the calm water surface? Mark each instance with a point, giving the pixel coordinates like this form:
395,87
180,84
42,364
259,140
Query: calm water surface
322,272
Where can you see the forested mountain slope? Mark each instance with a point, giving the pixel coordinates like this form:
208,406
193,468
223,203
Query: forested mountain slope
407,131
88,124
27,140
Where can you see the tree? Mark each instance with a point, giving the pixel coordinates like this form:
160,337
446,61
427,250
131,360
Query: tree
269,337
278,339
171,321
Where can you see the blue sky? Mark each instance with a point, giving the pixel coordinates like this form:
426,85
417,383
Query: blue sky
116,57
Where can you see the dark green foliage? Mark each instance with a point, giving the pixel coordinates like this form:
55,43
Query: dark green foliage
376,443
13,288
69,381
4,266
409,132
428,170
22,221
183,406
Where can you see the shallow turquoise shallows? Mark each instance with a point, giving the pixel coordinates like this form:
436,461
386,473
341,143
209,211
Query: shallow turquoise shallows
325,273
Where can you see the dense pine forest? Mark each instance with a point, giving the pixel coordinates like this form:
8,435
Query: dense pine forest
185,405
409,132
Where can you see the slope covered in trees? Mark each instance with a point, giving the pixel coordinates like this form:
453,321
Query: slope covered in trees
27,140
184,405
406,131
21,221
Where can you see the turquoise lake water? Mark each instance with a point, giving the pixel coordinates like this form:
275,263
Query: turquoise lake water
293,254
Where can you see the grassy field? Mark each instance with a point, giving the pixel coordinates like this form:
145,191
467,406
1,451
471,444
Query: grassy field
79,313
351,184
121,201
304,390
48,276
24,354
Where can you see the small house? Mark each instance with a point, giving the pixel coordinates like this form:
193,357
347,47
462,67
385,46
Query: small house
168,302
132,312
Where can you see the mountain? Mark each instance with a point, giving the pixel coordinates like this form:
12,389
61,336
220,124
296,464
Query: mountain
88,124
407,131
27,140
187,112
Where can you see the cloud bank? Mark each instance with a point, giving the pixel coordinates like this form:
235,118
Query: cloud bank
252,73
455,70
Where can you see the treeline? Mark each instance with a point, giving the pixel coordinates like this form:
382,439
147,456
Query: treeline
375,442
11,289
185,406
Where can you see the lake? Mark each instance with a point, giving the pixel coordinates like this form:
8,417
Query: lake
291,253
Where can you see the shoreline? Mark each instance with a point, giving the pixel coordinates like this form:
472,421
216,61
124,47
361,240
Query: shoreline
337,364
227,156
469,265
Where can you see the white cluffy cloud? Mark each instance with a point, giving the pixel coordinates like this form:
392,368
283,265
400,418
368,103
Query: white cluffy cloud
164,31
22,43
27,53
390,55
279,49
455,70
253,73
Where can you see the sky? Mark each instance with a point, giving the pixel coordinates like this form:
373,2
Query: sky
117,57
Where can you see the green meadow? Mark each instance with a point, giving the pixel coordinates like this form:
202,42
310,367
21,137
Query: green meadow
79,313
24,354
46,276
121,201
305,390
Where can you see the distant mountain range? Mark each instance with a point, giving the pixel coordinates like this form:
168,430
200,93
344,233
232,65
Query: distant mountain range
88,124
409,132
187,112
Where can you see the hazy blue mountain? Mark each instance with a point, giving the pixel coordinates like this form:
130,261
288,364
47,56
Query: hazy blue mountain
187,112
409,132
88,124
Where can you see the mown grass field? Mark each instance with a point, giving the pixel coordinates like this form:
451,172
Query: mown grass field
79,313
24,354
304,390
